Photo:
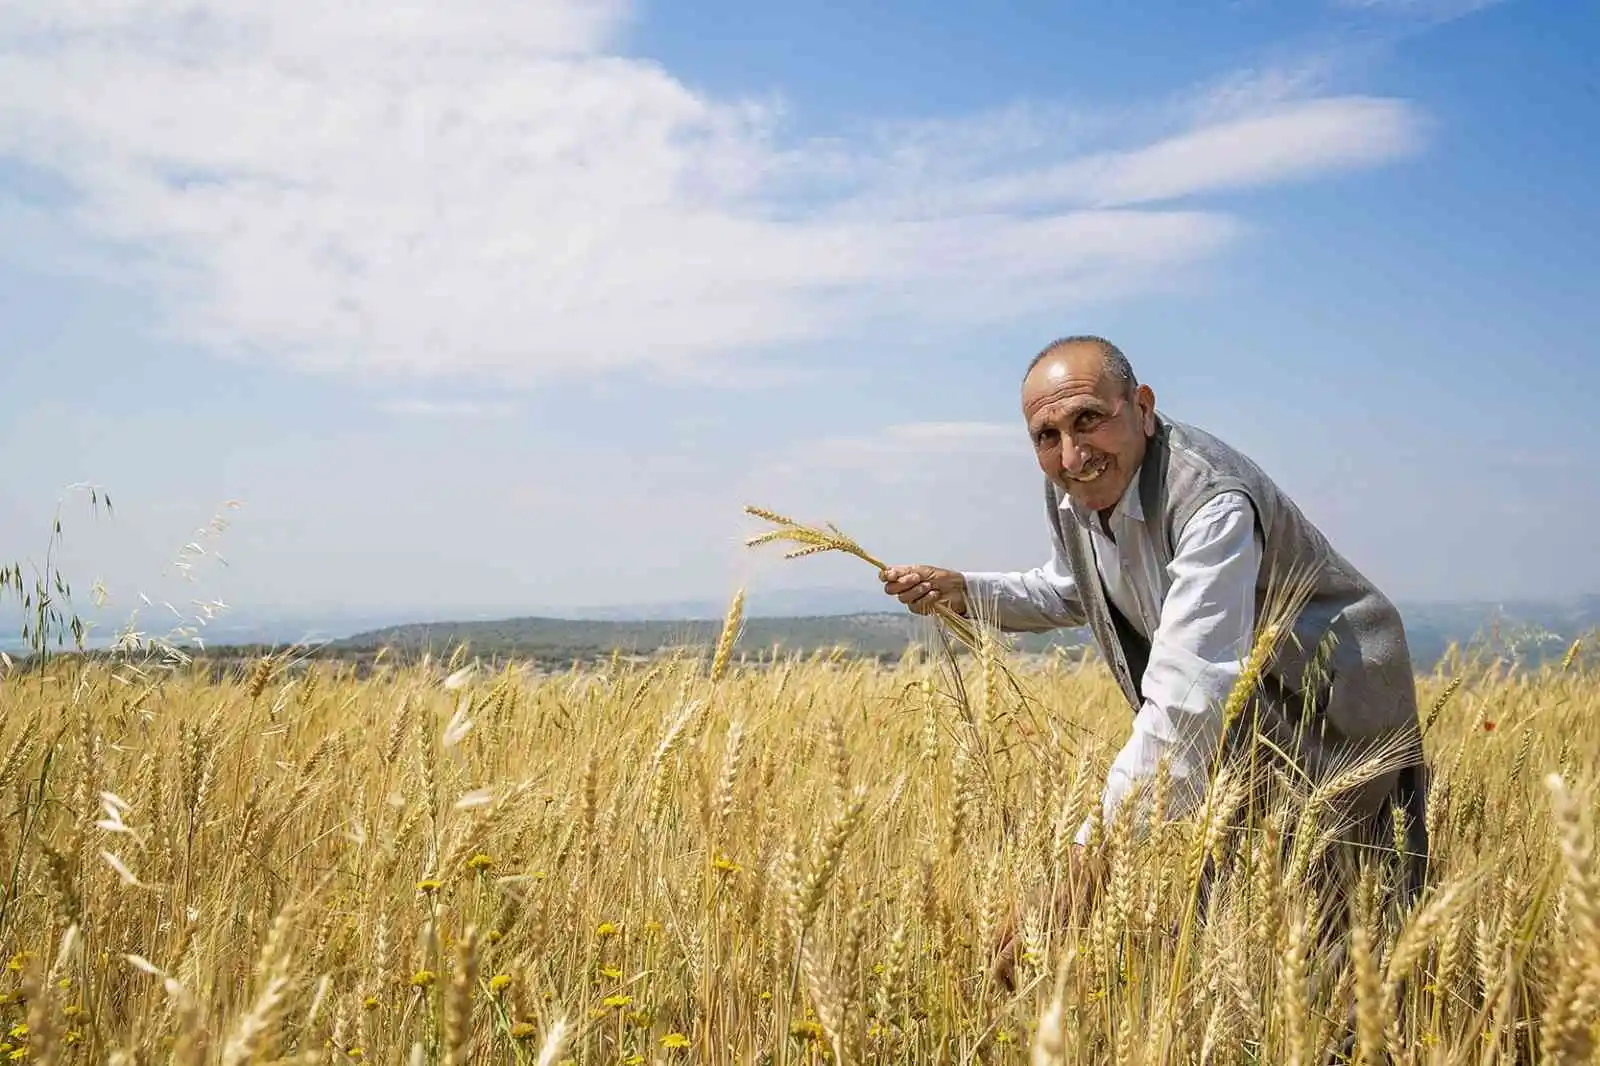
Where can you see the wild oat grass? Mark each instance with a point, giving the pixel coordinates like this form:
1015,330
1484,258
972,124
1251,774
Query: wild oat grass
726,862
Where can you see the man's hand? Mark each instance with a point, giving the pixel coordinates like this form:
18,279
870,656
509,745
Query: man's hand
1074,897
923,588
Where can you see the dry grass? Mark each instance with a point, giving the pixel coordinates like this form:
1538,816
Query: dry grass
780,864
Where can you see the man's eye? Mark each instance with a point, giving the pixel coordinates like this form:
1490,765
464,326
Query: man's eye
1089,423
1044,438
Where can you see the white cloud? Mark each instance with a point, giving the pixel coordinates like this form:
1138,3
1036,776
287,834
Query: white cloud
1282,142
895,455
914,439
478,188
447,408
1291,142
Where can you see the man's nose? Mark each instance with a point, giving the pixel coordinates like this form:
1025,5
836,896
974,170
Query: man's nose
1072,456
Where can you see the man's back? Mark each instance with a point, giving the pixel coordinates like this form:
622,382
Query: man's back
1348,651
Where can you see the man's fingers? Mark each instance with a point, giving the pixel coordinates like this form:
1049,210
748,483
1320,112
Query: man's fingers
919,588
900,578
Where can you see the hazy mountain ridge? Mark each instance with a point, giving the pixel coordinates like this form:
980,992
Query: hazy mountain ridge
805,620
1527,630
877,633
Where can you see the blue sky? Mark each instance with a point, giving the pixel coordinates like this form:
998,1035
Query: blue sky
497,306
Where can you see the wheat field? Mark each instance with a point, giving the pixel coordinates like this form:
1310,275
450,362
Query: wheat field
701,859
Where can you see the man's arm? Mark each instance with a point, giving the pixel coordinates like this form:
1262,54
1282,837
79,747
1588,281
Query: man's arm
1028,601
1206,629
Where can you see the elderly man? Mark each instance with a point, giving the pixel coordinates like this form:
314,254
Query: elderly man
1171,546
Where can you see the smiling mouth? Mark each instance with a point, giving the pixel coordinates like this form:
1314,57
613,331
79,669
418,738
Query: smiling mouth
1092,471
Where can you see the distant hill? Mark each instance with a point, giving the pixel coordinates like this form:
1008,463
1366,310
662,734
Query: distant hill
1529,631
882,634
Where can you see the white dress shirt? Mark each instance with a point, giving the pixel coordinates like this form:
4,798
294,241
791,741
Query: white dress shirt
1198,614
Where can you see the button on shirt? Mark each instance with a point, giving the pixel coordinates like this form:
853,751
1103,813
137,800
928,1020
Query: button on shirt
1198,614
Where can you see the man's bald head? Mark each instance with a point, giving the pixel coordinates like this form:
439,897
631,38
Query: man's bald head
1113,363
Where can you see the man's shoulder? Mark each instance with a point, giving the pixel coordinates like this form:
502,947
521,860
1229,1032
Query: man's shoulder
1212,454
1210,478
1189,437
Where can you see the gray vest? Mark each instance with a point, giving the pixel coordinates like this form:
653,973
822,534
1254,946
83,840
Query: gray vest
1340,681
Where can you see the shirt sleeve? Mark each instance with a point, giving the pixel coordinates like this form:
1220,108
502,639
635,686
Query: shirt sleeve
1028,601
1206,629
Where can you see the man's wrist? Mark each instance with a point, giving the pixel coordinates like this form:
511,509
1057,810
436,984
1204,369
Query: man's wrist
965,590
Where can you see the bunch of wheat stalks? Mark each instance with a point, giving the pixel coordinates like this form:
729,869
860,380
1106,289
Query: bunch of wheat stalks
789,860
793,860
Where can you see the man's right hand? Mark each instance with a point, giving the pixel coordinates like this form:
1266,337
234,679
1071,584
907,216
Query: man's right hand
923,588
1069,905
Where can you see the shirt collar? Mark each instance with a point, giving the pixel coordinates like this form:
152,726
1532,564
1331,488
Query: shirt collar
1130,508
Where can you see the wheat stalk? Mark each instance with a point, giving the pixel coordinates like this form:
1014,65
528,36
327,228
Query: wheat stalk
813,540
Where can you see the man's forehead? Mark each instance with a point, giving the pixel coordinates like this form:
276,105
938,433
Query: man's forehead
1062,406
1065,384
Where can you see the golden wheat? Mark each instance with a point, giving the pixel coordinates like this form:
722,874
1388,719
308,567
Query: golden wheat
775,862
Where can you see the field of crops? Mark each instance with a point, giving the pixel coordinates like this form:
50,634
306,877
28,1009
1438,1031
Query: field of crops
702,861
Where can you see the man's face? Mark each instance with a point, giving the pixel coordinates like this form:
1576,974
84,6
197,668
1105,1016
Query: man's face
1088,433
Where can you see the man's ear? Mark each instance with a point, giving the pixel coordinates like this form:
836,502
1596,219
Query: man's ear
1145,397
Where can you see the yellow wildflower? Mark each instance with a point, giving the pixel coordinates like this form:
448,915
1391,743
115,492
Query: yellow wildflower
19,1032
522,1031
428,885
616,1002
606,930
498,982
480,861
18,961
422,978
370,1003
806,1030
725,864
356,1053
612,972
674,1041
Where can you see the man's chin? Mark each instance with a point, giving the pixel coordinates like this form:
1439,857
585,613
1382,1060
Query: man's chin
1096,495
